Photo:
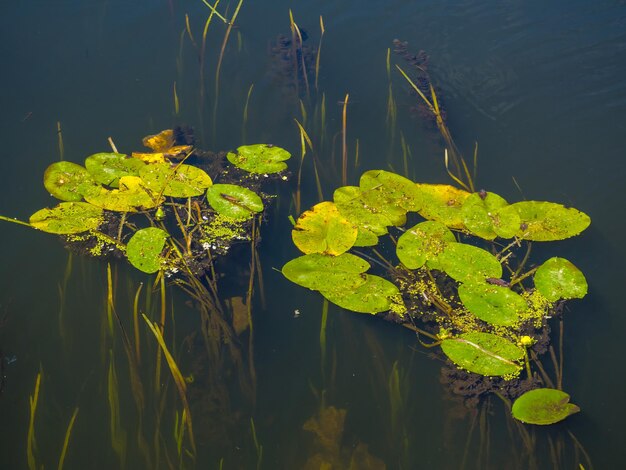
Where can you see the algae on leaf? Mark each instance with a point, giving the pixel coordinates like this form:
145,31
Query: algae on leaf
423,242
375,295
324,272
467,263
234,201
131,196
67,218
488,215
548,221
443,203
322,229
68,181
182,181
108,168
259,158
543,406
494,304
484,353
145,247
558,278
396,189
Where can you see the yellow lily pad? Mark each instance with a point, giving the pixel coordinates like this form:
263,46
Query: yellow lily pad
443,203
176,181
548,221
131,196
324,230
108,168
67,218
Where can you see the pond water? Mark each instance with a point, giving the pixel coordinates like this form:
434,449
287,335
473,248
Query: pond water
540,86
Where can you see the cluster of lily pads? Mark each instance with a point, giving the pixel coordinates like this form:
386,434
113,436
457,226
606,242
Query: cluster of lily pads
487,312
157,185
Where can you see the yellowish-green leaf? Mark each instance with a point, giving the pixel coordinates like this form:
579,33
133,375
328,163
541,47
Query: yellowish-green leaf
67,218
442,202
548,221
68,181
324,230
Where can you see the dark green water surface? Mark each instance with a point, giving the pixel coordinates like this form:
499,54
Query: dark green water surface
541,86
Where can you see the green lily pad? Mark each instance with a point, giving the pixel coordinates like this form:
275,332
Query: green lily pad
365,237
489,216
131,196
395,189
373,296
423,242
494,304
259,158
234,201
548,221
484,353
108,168
543,406
323,230
467,263
443,203
67,218
558,278
175,181
324,272
145,247
352,205
68,181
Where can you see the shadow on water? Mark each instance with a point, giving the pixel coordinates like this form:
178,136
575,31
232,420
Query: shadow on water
86,381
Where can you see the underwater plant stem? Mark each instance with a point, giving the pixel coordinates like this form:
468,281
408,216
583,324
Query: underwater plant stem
218,69
30,442
344,145
245,115
136,323
66,441
414,328
560,377
527,363
214,11
319,53
544,375
61,146
253,255
176,374
523,276
323,326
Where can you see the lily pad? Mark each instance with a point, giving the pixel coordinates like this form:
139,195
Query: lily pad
548,221
365,237
558,278
354,206
67,218
108,168
464,263
484,353
145,247
323,230
494,304
259,158
488,216
131,196
234,201
423,242
324,272
162,145
543,406
176,181
392,187
443,203
68,181
373,296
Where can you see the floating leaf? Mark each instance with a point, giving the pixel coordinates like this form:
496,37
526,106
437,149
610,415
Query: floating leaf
488,216
365,237
548,221
373,296
543,406
443,203
68,181
131,196
484,353
423,242
364,211
494,304
175,181
67,218
145,247
259,158
159,142
323,230
466,262
108,168
394,188
558,278
324,272
234,201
